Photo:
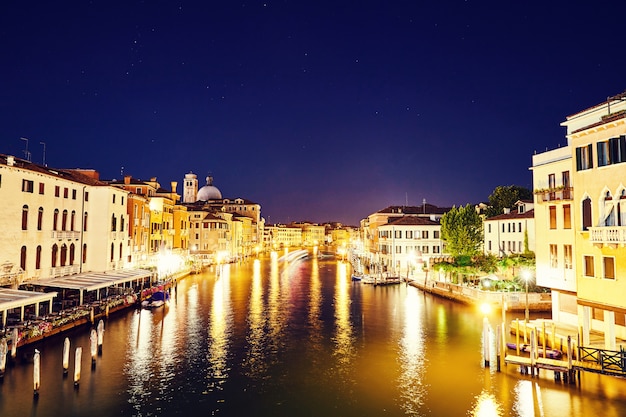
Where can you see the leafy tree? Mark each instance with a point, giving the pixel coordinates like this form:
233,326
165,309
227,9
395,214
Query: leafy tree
505,197
462,230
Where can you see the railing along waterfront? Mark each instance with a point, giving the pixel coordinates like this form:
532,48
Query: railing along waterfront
608,362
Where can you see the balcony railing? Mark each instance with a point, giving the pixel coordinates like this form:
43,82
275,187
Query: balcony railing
555,194
65,234
608,235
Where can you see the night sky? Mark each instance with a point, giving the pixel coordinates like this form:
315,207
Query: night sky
317,110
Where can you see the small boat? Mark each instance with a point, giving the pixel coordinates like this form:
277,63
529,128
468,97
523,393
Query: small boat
525,347
357,277
156,300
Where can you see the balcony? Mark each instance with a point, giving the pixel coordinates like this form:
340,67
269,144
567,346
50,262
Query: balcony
555,194
608,235
65,234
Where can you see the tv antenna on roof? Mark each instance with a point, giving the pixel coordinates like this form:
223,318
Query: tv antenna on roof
26,153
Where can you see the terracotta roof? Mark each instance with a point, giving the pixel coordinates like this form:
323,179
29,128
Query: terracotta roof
530,214
412,221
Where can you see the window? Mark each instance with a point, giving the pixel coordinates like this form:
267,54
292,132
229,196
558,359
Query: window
554,260
55,251
609,267
74,194
583,157
398,249
566,185
409,234
84,252
72,253
86,195
113,198
27,186
588,266
586,206
567,256
435,249
40,218
424,234
64,220
85,222
603,153
25,217
41,188
113,223
63,254
489,228
57,191
65,192
38,258
121,223
55,219
552,217
567,216
72,220
551,181
397,234
617,149
23,258
436,234
425,249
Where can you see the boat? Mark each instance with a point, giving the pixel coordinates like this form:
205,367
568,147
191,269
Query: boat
525,347
357,277
156,300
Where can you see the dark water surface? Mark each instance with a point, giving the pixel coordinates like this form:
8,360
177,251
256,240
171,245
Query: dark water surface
267,338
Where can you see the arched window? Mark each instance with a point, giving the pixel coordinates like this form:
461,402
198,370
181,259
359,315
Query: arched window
38,258
63,254
55,219
84,252
72,220
120,251
113,223
85,222
55,252
25,217
586,208
72,252
121,223
112,252
40,218
64,220
23,258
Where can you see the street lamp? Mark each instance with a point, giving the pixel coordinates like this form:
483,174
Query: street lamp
526,276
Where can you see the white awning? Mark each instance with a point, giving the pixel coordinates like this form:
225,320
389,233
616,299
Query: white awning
19,298
92,281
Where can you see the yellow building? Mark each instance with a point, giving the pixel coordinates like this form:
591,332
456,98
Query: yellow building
555,231
597,140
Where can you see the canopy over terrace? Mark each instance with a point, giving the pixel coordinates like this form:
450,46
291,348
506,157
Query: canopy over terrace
10,299
92,281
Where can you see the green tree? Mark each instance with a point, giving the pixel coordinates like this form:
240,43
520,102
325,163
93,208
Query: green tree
462,230
505,197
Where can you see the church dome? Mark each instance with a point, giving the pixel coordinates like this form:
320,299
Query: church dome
209,191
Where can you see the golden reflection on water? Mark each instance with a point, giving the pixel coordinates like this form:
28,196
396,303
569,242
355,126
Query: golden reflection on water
344,343
315,304
220,324
255,364
411,384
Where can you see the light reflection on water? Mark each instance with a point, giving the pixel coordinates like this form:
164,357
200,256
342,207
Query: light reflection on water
271,338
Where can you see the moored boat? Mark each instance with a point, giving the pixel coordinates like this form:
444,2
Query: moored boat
157,299
525,347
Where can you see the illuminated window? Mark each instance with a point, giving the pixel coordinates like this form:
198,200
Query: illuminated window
588,265
567,217
567,253
552,217
554,260
609,267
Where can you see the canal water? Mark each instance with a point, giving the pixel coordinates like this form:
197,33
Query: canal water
269,338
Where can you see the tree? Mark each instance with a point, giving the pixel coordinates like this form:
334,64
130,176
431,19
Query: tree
462,230
505,197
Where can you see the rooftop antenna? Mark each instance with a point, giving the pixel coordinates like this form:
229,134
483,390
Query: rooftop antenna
44,153
26,153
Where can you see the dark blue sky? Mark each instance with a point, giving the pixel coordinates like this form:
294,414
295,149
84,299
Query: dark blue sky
317,110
